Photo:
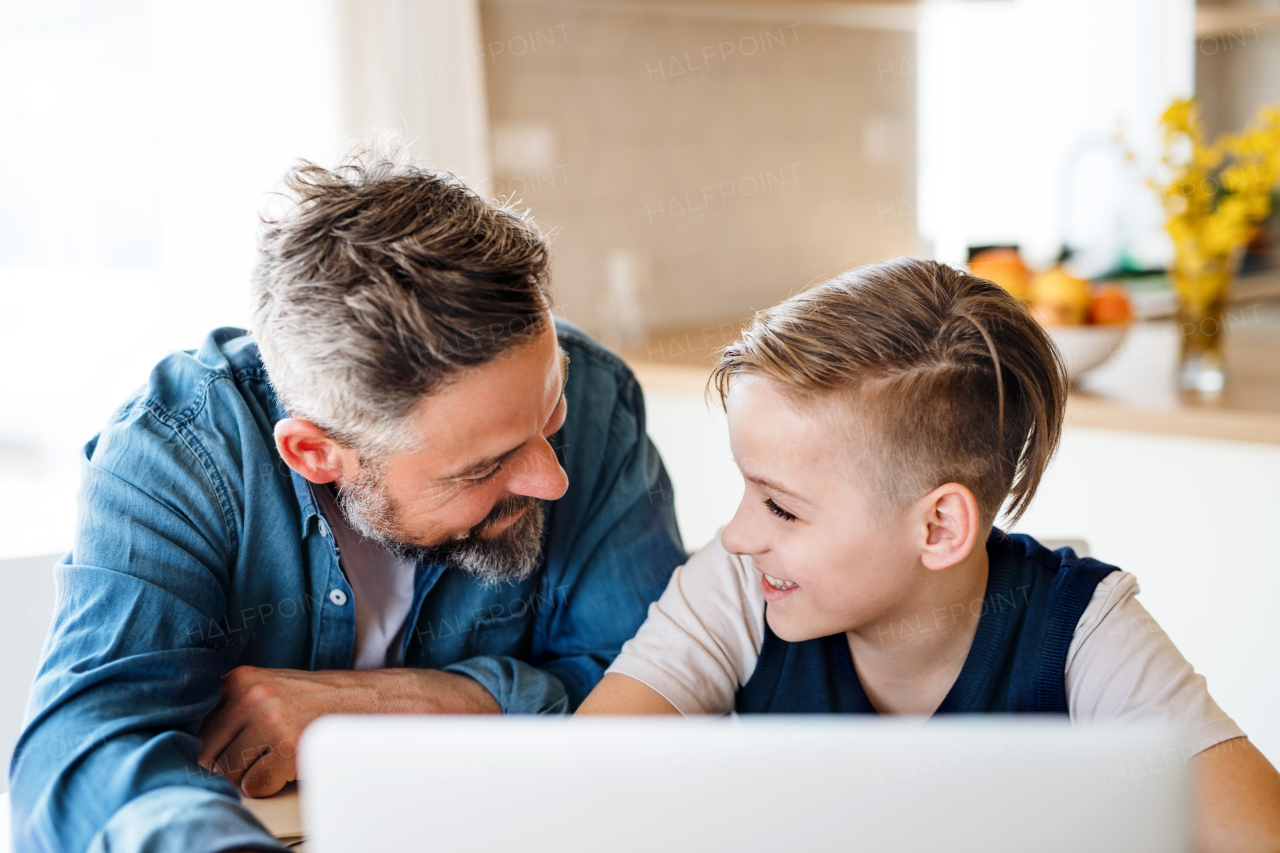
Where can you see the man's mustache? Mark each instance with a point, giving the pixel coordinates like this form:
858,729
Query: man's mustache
503,508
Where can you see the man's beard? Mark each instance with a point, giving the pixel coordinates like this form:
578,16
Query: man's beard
509,556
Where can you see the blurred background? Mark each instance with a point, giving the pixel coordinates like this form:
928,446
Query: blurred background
695,161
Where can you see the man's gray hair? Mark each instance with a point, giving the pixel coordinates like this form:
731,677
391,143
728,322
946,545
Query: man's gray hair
381,280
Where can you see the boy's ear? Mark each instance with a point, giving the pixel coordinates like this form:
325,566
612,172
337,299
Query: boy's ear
309,450
949,526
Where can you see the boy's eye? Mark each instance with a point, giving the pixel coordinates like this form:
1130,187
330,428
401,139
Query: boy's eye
475,481
777,510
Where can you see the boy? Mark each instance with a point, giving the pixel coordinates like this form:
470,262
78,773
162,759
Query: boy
880,422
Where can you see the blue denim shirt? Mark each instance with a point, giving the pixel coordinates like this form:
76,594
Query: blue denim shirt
197,550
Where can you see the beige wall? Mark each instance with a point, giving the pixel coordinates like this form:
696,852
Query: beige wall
725,187
1237,71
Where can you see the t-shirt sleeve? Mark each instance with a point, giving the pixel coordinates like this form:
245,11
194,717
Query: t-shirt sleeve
1121,666
702,637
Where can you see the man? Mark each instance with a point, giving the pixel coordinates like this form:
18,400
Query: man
409,491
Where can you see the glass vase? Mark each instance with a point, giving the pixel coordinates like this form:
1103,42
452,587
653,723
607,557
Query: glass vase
1202,284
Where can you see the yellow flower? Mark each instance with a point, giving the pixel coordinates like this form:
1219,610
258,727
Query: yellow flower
1217,192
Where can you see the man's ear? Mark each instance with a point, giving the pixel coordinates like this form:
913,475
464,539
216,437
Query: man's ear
949,526
309,450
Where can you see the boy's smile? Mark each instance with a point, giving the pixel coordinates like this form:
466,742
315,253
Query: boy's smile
775,589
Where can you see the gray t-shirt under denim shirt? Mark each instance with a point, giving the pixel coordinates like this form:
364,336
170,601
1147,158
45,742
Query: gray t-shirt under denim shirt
381,584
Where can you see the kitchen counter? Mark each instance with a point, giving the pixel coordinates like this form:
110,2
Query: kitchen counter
1135,390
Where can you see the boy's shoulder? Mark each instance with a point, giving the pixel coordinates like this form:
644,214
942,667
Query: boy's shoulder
1108,600
1072,574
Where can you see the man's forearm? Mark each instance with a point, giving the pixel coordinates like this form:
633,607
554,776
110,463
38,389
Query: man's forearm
428,691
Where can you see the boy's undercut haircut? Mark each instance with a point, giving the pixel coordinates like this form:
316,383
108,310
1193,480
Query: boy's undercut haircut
379,282
949,377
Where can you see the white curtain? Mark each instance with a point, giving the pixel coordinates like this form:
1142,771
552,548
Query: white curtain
418,65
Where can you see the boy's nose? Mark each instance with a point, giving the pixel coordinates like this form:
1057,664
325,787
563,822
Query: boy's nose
738,537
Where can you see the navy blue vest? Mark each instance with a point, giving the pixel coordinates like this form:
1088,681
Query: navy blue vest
1016,664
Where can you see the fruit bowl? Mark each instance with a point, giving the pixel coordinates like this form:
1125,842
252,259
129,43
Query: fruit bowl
1085,347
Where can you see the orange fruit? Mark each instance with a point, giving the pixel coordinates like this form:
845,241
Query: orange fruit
1005,268
1048,315
1064,292
1110,304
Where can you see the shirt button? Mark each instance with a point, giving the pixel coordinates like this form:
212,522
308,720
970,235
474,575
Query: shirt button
338,597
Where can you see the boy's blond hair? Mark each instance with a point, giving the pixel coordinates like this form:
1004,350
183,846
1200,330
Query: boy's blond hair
946,377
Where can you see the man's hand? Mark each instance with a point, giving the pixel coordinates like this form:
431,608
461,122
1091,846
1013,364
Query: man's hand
251,736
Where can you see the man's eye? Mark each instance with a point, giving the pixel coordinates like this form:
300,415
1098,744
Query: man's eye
777,510
485,478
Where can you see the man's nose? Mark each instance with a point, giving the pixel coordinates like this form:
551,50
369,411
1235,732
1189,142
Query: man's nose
537,473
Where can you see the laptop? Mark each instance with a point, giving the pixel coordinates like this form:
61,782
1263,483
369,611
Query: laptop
775,784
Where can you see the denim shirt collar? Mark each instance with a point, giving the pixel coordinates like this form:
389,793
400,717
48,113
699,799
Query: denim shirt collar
306,503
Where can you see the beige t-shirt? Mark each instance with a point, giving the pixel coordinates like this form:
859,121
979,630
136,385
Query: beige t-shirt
701,640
